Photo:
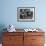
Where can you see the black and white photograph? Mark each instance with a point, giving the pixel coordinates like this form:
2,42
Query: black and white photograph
26,13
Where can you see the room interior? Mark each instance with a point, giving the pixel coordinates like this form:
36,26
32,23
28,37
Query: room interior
8,15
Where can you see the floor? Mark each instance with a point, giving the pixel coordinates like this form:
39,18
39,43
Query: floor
0,44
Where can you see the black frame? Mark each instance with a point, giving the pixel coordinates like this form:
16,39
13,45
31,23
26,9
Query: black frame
26,14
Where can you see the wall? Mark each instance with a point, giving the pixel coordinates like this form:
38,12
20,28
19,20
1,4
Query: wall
8,9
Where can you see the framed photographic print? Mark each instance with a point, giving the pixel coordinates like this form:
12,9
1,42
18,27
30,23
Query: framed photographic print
26,14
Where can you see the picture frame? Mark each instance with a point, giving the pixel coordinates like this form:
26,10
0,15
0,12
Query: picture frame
26,14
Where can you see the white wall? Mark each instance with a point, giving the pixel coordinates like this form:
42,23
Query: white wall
9,13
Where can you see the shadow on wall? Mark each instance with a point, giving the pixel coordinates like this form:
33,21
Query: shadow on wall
2,26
